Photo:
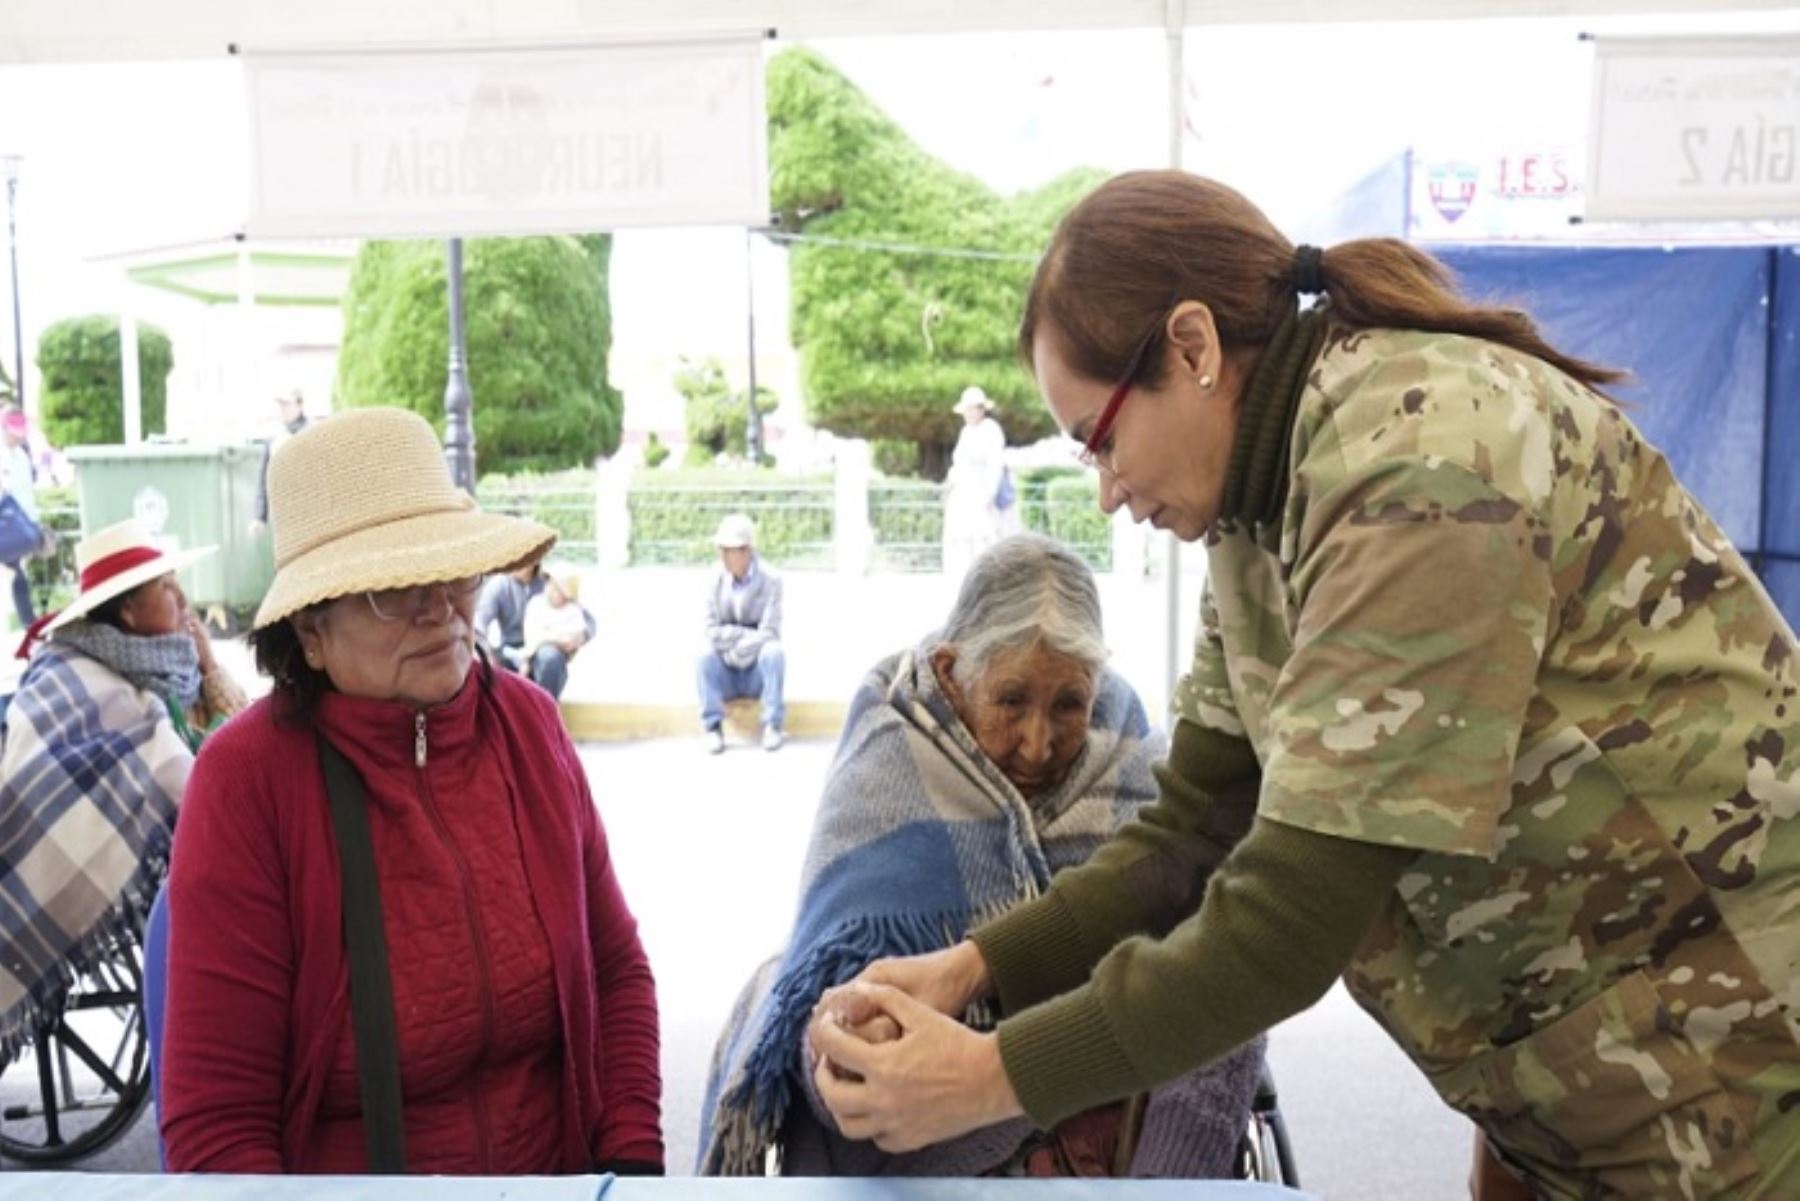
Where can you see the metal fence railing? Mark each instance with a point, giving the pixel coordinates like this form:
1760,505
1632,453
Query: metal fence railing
674,524
1068,509
52,573
568,511
907,517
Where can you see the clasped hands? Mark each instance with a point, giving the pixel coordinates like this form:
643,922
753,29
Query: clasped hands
896,1066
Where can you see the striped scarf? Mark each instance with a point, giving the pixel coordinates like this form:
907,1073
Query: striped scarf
166,664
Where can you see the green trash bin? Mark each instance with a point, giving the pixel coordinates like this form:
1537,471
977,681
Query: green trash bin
187,496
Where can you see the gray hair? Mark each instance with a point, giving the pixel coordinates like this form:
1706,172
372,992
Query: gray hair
1021,592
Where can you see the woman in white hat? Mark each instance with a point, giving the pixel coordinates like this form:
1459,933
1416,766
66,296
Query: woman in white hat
979,504
509,1024
100,739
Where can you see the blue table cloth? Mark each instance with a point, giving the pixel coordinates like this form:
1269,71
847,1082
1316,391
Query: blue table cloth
91,1186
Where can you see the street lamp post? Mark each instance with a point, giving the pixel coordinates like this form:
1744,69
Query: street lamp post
753,434
459,428
11,163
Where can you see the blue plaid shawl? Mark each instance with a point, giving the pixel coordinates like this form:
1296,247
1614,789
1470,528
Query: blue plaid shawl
918,838
90,775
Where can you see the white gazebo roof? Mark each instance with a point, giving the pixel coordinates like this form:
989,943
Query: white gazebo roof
235,271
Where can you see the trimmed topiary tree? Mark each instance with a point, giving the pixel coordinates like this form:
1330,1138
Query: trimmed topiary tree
83,402
888,340
539,330
716,416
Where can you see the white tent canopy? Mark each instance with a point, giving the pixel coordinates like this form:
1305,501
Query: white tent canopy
34,31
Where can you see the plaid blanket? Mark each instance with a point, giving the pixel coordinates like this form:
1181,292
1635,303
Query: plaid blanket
918,838
90,775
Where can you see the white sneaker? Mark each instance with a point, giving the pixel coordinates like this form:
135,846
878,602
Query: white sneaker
715,741
773,738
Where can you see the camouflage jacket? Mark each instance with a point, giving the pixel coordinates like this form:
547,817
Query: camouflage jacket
1490,625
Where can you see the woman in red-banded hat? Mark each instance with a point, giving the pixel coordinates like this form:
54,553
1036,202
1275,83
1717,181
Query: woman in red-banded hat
121,688
131,617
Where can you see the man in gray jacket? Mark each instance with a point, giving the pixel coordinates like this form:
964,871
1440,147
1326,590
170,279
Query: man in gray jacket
743,656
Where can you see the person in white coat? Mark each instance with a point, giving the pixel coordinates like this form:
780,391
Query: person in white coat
980,503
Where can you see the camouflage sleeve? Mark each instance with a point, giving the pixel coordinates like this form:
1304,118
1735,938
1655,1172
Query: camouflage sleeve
1204,695
1424,595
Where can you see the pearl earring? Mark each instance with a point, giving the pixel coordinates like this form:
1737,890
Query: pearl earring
1206,382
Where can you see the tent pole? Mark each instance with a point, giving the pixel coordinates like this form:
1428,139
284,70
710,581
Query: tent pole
754,432
10,164
1175,28
245,378
459,402
130,374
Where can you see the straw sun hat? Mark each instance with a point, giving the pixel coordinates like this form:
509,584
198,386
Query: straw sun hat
363,501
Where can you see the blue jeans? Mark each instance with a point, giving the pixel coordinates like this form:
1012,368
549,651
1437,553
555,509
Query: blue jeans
550,670
719,683
21,598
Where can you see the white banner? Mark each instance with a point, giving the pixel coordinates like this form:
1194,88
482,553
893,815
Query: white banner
508,141
1695,128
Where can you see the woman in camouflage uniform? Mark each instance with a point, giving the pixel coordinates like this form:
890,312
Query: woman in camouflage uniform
1486,716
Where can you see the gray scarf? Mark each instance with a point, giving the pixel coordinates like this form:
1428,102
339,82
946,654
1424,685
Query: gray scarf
166,664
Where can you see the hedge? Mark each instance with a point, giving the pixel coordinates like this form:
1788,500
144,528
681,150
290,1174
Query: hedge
907,517
1062,502
1070,513
675,513
52,576
562,500
539,332
84,391
887,338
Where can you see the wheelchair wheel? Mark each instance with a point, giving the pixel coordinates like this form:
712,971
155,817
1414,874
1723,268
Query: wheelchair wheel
90,1064
1265,1154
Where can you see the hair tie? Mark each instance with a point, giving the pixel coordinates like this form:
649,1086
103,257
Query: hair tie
1309,270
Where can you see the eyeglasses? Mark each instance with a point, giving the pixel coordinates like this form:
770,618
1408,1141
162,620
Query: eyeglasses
1096,452
410,604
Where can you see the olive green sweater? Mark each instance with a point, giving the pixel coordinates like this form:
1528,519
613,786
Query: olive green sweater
1283,914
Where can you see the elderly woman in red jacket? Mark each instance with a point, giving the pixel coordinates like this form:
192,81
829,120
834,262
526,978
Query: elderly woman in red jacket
523,1008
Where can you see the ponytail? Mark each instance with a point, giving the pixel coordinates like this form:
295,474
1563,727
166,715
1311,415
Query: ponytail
1384,283
1145,240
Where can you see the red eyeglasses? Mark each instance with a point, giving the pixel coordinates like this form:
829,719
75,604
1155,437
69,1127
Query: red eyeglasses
1094,452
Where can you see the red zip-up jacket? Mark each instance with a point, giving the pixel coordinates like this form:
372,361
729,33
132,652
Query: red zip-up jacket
525,1005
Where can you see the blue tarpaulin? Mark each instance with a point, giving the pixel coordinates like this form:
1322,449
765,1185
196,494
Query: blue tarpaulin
1781,466
1711,336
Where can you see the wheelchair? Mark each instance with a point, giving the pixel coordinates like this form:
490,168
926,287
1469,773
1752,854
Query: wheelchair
1266,1155
82,1079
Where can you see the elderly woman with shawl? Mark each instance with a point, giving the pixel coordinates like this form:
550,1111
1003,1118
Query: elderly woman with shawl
99,742
972,768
